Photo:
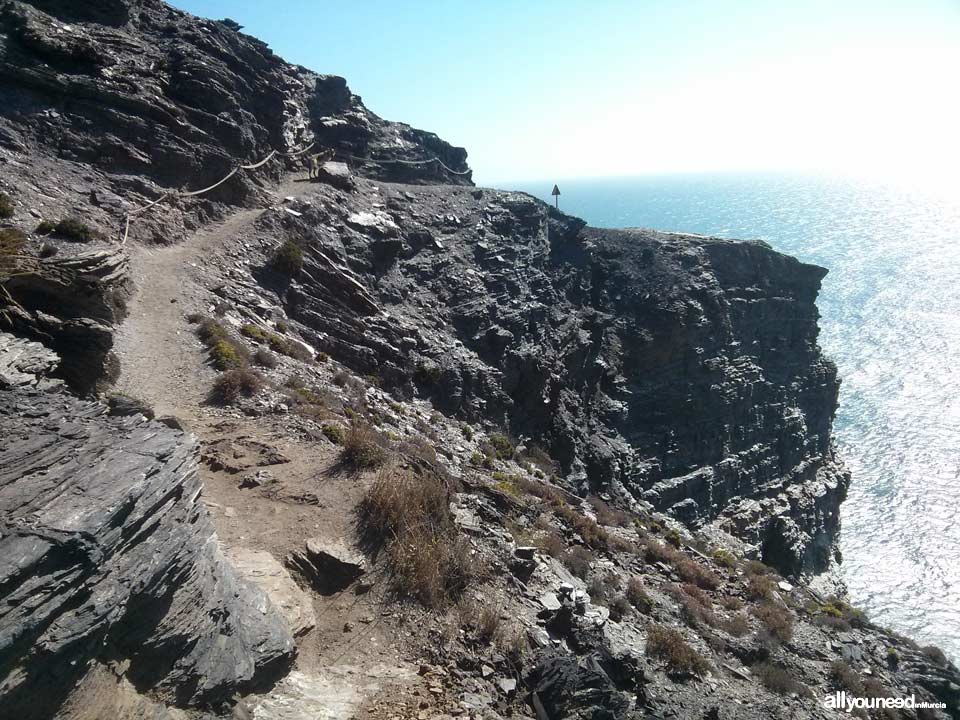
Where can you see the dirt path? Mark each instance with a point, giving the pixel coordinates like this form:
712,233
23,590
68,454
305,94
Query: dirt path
337,672
160,362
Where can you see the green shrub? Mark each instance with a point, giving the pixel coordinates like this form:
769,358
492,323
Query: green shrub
335,433
724,558
254,332
502,446
45,227
638,597
234,384
11,243
227,355
288,259
6,206
73,229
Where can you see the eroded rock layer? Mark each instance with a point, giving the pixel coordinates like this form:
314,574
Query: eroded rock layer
107,555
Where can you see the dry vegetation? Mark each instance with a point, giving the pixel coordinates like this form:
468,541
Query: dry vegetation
408,515
234,384
362,448
667,644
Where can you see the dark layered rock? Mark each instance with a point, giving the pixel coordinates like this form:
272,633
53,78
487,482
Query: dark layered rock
158,99
107,555
71,303
681,370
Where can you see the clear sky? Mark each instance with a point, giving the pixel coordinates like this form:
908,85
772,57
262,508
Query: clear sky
540,89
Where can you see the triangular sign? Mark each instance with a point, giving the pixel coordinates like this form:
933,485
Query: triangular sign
556,190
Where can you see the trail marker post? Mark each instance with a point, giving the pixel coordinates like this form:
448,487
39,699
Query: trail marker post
556,196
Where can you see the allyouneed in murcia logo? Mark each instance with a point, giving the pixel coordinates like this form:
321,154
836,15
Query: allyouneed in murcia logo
848,703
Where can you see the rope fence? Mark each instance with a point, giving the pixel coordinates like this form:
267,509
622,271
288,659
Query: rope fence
273,153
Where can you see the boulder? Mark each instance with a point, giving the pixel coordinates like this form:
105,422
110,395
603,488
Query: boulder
329,564
266,572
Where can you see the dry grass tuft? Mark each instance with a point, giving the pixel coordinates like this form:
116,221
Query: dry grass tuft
777,621
608,515
687,568
362,449
669,645
409,515
637,596
779,680
234,384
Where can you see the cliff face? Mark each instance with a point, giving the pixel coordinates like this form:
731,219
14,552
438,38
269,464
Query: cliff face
681,370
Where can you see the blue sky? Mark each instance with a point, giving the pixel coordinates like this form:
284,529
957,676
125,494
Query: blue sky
539,89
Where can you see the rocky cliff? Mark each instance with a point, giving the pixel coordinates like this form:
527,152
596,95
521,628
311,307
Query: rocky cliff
682,371
617,425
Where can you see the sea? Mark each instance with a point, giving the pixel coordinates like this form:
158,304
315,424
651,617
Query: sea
890,319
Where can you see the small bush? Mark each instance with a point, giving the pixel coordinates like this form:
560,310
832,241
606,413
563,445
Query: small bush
619,608
427,557
602,588
578,560
7,206
334,433
724,558
290,348
637,596
755,567
776,620
737,625
673,537
254,332
234,384
11,243
695,612
731,602
551,544
607,515
45,227
540,458
288,259
935,654
846,678
831,622
488,623
779,680
265,358
759,587
361,449
76,230
689,570
226,355
669,645
502,446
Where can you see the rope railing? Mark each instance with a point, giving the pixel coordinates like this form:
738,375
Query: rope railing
411,162
273,153
177,193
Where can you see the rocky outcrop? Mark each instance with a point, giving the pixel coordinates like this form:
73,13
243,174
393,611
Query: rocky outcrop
154,99
107,555
682,371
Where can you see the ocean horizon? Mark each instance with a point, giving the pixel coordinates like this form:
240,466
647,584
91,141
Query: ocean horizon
890,319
